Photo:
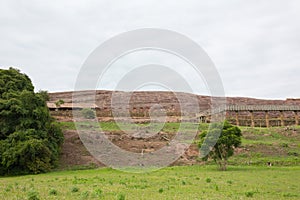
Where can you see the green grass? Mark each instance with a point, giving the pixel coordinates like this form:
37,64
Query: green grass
189,182
169,127
258,159
247,177
278,145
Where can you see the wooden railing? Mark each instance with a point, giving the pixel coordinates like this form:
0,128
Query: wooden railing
250,108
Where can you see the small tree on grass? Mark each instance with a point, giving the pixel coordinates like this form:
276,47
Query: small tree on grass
220,143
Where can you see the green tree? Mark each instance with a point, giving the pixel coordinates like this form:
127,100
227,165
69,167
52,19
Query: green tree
12,81
219,143
44,94
30,140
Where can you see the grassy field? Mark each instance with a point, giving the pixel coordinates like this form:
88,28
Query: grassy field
278,145
189,182
169,127
247,177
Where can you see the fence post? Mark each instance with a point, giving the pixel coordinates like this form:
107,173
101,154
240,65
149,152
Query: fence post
296,118
281,118
237,118
252,119
267,119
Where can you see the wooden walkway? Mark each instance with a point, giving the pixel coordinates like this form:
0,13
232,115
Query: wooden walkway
262,108
251,109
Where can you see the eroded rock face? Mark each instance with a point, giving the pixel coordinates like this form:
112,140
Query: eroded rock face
74,153
169,100
141,103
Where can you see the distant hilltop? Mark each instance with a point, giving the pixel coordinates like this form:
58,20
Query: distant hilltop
164,98
291,100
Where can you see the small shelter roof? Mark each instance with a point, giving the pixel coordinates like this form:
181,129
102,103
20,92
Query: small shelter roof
71,105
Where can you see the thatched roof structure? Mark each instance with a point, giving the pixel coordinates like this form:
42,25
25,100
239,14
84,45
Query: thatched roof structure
70,106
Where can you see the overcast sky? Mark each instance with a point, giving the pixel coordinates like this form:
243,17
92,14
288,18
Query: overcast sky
254,44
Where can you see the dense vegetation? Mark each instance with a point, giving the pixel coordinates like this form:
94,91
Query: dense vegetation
29,138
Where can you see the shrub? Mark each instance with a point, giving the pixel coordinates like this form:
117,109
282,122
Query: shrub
293,153
33,195
284,145
249,194
59,103
88,113
84,195
217,187
98,192
121,197
74,189
53,192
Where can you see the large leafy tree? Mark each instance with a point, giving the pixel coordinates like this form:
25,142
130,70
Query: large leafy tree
30,140
219,143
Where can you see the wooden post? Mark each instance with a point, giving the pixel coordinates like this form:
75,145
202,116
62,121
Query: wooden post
237,118
203,119
267,119
206,119
281,118
252,119
227,115
296,118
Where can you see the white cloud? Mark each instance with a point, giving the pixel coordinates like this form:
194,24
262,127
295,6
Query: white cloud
254,44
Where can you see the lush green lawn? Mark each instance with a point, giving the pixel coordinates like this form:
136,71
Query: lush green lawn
193,182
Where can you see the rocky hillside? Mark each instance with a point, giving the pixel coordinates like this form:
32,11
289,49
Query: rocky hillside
140,104
266,145
168,99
